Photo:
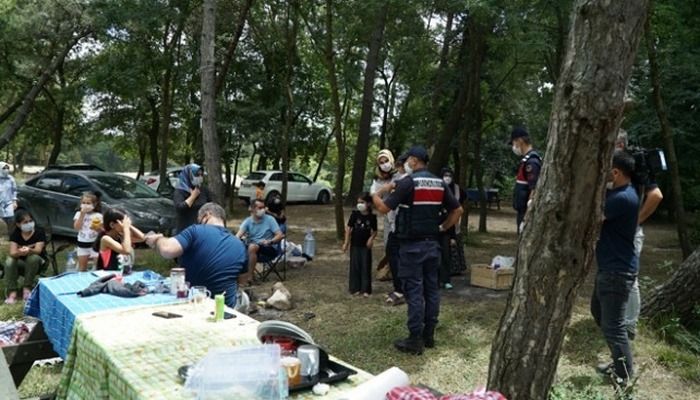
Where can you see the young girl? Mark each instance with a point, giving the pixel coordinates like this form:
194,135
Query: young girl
88,222
116,239
359,234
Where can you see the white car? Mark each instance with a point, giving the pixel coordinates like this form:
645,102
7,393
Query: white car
152,179
299,187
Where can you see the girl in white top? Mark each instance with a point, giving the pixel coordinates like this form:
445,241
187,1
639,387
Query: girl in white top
88,223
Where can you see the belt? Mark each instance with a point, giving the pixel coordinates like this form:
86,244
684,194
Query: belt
521,182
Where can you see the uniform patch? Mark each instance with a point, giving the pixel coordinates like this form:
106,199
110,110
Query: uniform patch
528,168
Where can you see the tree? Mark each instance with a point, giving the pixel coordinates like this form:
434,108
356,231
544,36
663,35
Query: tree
557,245
678,295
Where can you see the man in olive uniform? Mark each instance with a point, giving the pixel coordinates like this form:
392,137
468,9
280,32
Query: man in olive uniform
420,198
527,175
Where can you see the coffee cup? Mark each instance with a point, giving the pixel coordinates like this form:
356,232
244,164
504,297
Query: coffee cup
310,360
292,366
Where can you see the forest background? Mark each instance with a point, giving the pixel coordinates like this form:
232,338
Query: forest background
320,86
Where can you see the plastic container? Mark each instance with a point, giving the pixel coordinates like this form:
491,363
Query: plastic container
71,265
177,280
258,374
219,311
309,244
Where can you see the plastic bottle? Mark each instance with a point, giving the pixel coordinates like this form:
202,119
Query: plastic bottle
71,265
309,244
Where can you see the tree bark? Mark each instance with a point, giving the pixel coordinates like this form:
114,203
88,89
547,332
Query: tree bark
557,246
226,62
212,151
291,36
153,133
678,295
667,135
362,148
432,136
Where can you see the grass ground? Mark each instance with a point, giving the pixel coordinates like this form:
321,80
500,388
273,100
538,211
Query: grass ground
361,331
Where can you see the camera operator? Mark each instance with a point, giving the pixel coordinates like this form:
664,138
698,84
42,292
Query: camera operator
651,198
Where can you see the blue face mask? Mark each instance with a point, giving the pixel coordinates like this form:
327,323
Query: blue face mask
27,226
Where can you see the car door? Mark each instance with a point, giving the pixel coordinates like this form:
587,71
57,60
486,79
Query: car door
300,187
39,197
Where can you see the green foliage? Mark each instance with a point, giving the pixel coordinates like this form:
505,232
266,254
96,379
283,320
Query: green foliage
567,391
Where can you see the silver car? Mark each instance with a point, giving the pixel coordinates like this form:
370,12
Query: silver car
55,196
299,187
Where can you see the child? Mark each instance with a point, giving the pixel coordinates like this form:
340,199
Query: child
359,234
116,239
259,190
88,223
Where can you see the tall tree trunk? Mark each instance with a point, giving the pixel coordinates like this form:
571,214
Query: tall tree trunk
432,136
388,104
441,154
557,245
678,295
57,134
212,150
291,36
153,133
329,60
28,101
667,134
362,149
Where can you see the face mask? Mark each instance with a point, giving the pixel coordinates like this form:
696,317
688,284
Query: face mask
610,185
447,179
408,168
361,207
516,150
4,173
197,180
386,167
27,226
260,213
87,207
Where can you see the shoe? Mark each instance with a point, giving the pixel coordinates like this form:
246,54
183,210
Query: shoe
448,286
412,345
606,369
429,338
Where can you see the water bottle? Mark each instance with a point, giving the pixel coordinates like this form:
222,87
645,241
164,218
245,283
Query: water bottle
71,265
309,244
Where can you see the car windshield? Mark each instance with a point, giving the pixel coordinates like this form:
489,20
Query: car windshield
255,176
122,187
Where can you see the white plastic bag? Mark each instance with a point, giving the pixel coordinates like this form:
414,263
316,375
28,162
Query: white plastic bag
502,262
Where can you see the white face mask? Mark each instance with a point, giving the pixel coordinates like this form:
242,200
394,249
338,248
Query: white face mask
386,167
516,150
361,207
87,207
408,168
447,179
27,226
4,173
197,180
610,185
259,213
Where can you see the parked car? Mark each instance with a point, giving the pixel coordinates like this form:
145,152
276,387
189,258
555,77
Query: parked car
73,167
152,179
299,187
55,195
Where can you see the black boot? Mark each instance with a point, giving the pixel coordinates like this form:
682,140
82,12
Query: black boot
412,344
429,337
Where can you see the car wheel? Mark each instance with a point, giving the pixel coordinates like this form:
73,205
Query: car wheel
324,197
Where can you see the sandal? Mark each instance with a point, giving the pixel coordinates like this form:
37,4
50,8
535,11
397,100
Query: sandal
395,299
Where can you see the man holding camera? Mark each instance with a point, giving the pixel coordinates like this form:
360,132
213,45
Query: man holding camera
652,196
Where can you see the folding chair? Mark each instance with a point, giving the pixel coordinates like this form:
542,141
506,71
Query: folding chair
50,250
272,264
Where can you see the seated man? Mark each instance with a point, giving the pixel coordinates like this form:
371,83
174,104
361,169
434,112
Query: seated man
262,233
210,254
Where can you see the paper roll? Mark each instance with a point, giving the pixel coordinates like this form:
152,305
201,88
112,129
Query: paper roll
377,387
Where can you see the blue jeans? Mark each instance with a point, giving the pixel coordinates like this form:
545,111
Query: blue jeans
419,263
608,304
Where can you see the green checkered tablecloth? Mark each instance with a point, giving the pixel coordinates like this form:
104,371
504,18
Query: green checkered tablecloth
131,354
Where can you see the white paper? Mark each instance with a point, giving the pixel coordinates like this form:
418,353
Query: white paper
377,387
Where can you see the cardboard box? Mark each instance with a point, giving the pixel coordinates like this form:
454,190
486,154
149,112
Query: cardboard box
498,279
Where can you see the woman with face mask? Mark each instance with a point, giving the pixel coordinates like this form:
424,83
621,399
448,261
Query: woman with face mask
8,196
26,247
453,259
190,195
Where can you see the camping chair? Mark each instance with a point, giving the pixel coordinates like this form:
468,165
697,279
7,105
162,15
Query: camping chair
273,264
50,250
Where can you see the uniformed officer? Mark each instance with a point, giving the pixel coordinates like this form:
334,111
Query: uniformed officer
420,197
528,172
